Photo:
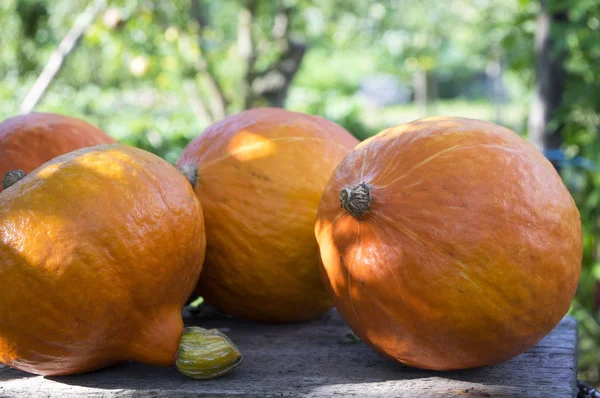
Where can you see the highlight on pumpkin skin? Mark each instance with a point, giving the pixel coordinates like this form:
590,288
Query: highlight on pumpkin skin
206,354
246,146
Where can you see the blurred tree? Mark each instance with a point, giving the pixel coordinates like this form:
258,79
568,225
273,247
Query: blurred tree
229,55
67,44
32,17
429,38
565,119
270,57
266,60
550,75
580,116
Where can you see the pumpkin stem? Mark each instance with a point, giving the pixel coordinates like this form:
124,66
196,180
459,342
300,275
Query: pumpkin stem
356,199
12,177
206,354
190,172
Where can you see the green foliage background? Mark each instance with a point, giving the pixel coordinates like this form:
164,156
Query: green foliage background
130,79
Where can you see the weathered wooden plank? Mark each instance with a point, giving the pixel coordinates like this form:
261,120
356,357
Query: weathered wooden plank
312,360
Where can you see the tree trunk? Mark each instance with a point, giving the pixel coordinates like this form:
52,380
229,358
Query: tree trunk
66,46
216,100
419,79
273,84
494,83
432,92
550,74
258,87
197,103
247,49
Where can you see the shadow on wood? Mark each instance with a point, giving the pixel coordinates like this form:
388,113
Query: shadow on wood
312,360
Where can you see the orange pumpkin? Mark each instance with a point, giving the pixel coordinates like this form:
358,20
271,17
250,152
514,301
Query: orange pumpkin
99,249
456,244
259,176
28,141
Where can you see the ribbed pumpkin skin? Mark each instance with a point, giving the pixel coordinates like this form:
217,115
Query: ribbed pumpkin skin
28,141
260,177
99,249
469,253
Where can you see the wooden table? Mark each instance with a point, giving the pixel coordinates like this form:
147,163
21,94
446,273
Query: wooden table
315,360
